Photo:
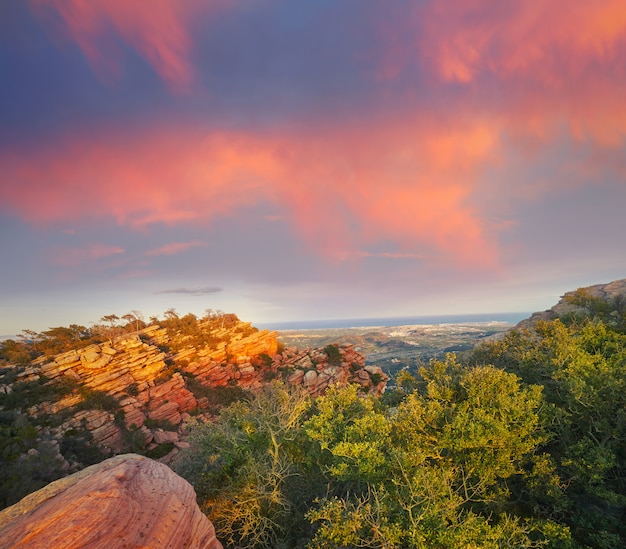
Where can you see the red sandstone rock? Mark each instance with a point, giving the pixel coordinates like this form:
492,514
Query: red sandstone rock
125,501
134,372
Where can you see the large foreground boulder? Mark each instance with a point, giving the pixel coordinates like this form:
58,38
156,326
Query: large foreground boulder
126,501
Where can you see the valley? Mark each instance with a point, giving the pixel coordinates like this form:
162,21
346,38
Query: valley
396,347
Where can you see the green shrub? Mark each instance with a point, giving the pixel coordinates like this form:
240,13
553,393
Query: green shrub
76,445
97,400
218,397
333,353
29,393
160,451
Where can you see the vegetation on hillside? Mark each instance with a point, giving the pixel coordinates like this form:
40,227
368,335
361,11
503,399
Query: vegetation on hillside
520,443
34,449
185,331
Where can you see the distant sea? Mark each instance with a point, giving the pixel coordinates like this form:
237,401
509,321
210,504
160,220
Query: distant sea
511,318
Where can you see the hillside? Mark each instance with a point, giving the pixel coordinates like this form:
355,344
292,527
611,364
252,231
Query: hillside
137,390
606,302
518,442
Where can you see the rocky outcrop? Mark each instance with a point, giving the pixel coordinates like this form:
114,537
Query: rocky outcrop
134,392
125,501
583,302
316,369
132,372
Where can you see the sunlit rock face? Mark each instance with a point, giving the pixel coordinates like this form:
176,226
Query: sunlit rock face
137,391
125,501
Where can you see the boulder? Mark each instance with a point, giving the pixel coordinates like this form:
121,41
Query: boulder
168,411
310,378
296,377
163,437
125,501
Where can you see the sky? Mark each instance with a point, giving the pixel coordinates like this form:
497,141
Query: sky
296,160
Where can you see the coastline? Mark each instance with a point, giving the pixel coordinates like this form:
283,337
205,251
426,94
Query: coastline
383,322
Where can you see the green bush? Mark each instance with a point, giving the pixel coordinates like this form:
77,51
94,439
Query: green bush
160,451
76,445
97,400
29,393
334,356
218,397
342,470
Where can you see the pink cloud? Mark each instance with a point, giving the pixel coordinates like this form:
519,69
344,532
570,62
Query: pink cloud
410,178
174,248
158,31
556,64
547,42
406,180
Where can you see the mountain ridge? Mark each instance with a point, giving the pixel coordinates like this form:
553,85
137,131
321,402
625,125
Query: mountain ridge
137,391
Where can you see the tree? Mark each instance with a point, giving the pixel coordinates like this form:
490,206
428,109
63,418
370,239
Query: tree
247,469
139,319
16,352
171,314
31,337
582,368
345,470
111,319
131,319
435,472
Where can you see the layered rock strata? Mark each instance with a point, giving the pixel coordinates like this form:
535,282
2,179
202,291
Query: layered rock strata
148,387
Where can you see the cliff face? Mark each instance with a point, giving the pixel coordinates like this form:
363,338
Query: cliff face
136,391
125,501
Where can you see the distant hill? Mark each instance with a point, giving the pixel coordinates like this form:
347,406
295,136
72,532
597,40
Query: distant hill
604,301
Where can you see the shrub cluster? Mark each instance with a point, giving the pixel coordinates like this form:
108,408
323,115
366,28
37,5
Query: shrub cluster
519,443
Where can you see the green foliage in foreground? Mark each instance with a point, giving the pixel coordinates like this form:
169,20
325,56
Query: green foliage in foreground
520,444
583,372
343,470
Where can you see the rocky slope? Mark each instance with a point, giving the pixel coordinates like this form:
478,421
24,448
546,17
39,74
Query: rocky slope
136,391
605,300
125,501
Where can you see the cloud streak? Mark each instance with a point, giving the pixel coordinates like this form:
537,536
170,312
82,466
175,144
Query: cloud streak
175,248
73,257
193,291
